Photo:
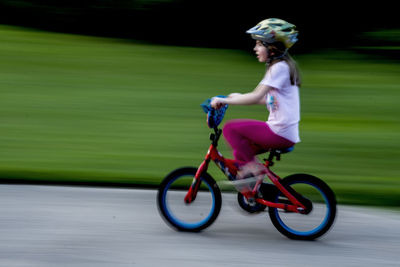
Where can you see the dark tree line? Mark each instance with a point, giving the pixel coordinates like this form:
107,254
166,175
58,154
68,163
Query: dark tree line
202,23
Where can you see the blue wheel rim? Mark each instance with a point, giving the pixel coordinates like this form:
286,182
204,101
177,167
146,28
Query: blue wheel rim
315,230
177,221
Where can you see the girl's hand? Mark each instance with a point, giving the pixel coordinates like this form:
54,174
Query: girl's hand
217,102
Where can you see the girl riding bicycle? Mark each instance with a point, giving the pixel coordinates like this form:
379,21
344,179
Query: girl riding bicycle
279,91
300,206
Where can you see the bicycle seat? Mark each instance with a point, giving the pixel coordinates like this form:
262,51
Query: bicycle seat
283,150
277,153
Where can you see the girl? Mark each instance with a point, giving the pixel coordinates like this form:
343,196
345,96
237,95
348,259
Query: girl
279,91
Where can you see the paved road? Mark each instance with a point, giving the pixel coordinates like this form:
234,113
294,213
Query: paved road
72,226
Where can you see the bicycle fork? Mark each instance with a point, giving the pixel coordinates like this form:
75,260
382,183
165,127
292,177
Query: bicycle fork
212,154
194,188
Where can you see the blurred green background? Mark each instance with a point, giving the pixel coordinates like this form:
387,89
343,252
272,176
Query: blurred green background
79,109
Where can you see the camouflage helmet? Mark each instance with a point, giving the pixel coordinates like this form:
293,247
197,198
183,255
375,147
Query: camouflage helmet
275,30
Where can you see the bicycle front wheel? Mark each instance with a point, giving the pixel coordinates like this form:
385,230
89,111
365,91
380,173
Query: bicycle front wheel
195,216
320,204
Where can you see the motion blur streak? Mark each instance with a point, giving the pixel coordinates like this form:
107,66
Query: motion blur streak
76,108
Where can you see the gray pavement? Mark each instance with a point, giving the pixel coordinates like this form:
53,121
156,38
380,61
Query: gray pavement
82,226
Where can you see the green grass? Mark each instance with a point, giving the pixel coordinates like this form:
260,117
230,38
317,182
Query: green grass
76,108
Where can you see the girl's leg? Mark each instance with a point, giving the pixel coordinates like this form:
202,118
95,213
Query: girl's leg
243,135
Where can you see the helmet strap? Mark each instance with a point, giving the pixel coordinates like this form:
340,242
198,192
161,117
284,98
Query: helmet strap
272,58
283,54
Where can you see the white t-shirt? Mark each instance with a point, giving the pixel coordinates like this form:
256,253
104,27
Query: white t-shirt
283,102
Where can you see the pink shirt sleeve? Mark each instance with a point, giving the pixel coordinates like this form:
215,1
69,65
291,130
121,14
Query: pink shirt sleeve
277,76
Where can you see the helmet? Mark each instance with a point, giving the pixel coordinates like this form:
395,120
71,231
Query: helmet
275,30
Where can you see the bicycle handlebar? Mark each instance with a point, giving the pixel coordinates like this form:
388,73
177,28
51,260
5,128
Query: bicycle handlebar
214,116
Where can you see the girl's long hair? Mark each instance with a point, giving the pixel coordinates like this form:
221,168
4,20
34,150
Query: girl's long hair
281,54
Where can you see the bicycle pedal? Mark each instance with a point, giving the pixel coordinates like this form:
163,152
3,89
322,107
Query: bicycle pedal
252,202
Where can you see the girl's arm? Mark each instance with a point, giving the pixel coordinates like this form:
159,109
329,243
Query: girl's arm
255,97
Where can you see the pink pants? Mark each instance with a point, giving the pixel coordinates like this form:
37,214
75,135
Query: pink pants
251,137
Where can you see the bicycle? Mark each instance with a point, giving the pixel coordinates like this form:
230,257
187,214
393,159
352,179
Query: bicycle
300,206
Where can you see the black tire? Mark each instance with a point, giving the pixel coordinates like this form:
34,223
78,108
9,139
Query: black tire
307,189
174,187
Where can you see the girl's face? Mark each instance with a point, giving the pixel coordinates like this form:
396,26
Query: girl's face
261,51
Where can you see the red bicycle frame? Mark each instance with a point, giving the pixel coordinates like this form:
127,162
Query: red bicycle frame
229,168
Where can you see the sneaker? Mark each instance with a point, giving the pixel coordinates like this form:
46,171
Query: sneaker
247,176
250,169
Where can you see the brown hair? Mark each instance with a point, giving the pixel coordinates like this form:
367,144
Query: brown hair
278,52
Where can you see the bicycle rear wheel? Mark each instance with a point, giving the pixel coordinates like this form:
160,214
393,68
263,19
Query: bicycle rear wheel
320,208
197,215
